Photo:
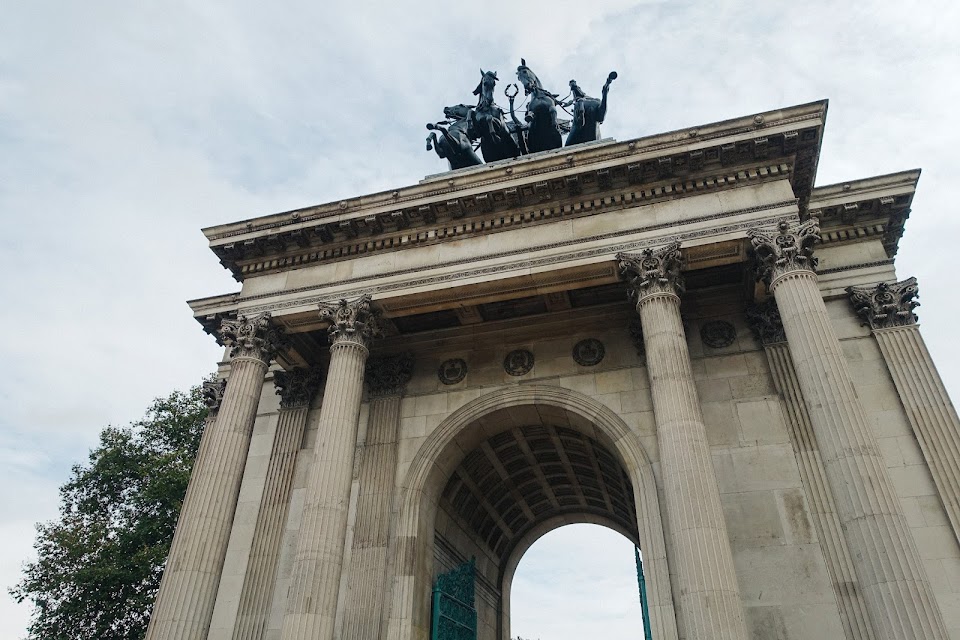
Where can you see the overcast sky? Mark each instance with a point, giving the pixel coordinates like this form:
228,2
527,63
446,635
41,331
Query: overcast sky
125,127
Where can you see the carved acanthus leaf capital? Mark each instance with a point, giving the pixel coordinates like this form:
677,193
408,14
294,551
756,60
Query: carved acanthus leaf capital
297,387
388,375
212,392
352,321
764,321
886,305
652,271
252,337
784,249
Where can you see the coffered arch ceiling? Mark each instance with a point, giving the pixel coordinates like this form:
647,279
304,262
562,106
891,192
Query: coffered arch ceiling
519,478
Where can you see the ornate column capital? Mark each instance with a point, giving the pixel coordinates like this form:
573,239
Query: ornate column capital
212,392
252,337
388,375
784,249
652,271
886,305
297,387
352,321
764,321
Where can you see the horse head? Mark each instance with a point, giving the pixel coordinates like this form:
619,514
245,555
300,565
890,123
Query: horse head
528,78
457,112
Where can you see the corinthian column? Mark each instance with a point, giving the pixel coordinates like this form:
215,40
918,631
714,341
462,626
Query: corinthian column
765,322
296,389
898,596
189,587
888,310
387,376
312,604
709,598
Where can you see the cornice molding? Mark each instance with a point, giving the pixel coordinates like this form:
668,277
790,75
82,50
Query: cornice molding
710,156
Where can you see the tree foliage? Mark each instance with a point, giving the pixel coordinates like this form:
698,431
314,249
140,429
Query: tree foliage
99,565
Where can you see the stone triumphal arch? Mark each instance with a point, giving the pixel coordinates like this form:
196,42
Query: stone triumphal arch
679,337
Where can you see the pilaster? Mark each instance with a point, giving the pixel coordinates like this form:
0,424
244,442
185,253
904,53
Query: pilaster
296,389
188,590
888,310
312,605
898,596
386,378
709,597
765,322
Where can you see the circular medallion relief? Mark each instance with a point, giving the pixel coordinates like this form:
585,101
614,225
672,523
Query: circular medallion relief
718,334
452,371
518,363
588,352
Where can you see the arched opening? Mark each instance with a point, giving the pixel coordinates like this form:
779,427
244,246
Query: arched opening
577,581
497,475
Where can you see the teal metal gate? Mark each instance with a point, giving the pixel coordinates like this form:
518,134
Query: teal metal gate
454,615
644,609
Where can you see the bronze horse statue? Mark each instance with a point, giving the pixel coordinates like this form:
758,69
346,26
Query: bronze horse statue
455,143
496,143
588,113
543,132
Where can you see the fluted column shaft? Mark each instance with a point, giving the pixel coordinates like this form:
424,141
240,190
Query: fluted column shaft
897,593
315,581
709,596
853,610
929,410
368,565
188,590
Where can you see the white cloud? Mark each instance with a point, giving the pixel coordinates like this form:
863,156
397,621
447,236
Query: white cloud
125,127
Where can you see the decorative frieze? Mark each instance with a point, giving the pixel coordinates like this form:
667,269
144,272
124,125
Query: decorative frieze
388,375
452,371
518,362
297,387
652,271
589,352
212,392
718,334
788,248
252,337
352,321
886,305
764,321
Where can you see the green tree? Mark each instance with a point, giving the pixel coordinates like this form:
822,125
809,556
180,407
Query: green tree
99,565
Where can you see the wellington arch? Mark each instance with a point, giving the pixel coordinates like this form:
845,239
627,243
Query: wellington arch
680,337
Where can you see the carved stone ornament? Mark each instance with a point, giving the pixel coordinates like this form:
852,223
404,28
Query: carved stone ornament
297,387
636,336
784,249
352,321
718,334
252,337
764,321
518,362
388,375
452,371
589,352
213,391
885,305
652,271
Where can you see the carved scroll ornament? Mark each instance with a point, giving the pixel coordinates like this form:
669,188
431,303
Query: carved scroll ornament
652,271
352,321
787,248
212,391
252,337
764,321
388,375
297,387
886,305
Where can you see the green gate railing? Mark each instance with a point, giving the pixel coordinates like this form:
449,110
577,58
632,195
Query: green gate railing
454,614
644,609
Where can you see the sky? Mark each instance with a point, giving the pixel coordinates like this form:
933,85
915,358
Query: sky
125,127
